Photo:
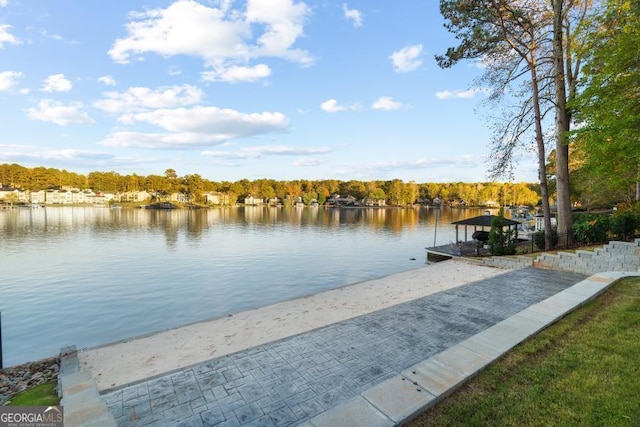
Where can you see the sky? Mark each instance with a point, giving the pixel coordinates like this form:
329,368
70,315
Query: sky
279,89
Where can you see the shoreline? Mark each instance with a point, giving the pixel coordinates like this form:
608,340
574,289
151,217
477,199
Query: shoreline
117,364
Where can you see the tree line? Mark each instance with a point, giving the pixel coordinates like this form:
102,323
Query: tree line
394,192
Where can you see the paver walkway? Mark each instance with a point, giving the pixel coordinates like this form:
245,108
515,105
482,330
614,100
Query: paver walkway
290,381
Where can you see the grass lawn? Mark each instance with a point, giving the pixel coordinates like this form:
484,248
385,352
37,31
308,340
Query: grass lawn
582,371
40,395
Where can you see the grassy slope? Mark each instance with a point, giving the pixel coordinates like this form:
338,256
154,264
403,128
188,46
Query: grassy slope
40,395
584,370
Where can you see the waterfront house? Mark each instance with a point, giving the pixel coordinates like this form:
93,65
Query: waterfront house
216,198
253,201
374,202
491,204
37,197
274,201
9,193
133,196
337,200
179,198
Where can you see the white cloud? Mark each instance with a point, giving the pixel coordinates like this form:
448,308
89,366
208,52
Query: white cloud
183,28
283,21
407,59
394,166
64,154
56,83
45,33
459,94
214,120
307,162
353,15
6,37
332,106
386,103
107,80
160,141
142,98
63,157
270,150
463,161
195,127
4,3
222,37
9,79
237,73
174,71
61,114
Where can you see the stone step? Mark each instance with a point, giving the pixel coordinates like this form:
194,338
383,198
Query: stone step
614,256
80,399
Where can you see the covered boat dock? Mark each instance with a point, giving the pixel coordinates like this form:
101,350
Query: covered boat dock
466,247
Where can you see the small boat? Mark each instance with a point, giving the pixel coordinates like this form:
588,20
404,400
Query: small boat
522,214
480,236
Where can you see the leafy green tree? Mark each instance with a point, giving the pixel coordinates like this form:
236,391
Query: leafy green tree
239,189
266,189
309,197
133,183
155,183
410,192
171,180
377,194
194,187
104,181
608,107
353,188
396,192
429,190
280,190
323,194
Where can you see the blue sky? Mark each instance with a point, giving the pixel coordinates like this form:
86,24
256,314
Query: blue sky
280,89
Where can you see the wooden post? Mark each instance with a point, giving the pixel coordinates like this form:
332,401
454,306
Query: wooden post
1,366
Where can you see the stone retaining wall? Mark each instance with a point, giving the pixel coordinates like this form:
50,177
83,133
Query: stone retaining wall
614,256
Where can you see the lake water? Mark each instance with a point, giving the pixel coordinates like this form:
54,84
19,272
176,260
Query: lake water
87,276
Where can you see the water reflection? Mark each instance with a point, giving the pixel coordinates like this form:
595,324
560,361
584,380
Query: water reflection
18,223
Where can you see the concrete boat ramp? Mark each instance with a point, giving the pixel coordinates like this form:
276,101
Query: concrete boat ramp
376,369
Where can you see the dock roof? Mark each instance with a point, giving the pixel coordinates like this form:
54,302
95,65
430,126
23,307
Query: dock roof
484,221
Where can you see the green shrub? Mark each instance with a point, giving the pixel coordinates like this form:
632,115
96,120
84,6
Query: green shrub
501,242
592,228
538,239
624,224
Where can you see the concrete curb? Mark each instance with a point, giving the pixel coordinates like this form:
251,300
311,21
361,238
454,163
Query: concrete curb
400,398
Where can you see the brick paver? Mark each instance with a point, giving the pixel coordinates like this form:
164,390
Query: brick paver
287,382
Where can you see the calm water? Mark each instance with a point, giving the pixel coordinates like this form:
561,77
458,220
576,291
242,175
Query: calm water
89,276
